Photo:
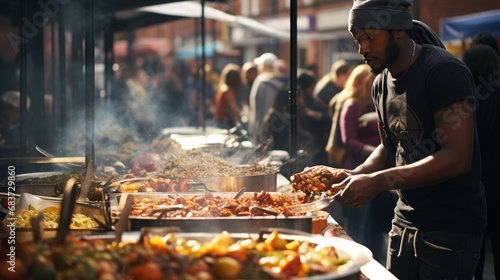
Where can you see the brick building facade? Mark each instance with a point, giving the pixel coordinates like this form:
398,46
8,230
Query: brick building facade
322,22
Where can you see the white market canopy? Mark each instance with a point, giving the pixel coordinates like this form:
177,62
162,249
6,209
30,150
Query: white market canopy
193,9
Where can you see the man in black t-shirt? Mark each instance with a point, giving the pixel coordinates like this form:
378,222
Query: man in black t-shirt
429,151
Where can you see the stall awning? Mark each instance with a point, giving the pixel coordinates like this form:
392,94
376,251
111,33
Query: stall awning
467,26
192,9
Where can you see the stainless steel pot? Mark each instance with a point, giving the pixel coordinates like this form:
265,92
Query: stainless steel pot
255,183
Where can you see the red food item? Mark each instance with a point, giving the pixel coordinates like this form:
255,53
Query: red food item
147,161
183,186
136,170
161,186
146,271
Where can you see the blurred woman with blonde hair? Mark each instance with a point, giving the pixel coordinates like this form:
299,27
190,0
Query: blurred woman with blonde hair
354,120
227,112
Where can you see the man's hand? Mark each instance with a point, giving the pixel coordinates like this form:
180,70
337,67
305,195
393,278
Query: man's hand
357,190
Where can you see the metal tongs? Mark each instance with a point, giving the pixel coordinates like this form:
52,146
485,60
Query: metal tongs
67,166
316,205
164,209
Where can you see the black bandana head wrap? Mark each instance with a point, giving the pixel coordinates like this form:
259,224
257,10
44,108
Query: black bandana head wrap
380,14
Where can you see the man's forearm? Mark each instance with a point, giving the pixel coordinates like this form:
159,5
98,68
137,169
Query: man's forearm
375,162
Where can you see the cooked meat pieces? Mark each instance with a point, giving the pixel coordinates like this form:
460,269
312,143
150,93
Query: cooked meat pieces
208,205
317,179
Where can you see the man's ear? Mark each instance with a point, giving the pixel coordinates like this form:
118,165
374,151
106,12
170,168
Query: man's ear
398,33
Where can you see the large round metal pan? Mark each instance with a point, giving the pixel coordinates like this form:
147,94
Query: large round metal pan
212,224
358,254
229,224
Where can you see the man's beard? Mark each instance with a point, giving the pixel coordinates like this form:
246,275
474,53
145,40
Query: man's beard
392,51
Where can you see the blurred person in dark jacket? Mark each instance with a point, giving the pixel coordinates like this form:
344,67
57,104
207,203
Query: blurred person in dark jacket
333,82
276,125
485,69
485,38
264,90
248,75
172,95
315,117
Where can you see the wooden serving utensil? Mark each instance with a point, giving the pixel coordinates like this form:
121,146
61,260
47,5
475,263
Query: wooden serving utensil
67,207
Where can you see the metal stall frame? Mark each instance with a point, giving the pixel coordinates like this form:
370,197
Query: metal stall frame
81,69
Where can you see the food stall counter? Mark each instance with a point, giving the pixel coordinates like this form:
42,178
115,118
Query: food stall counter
373,270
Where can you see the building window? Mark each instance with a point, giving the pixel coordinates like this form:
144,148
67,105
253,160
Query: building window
286,4
254,8
245,7
274,7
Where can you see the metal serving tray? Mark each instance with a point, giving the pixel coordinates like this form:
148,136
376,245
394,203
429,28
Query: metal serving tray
26,200
47,189
212,224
